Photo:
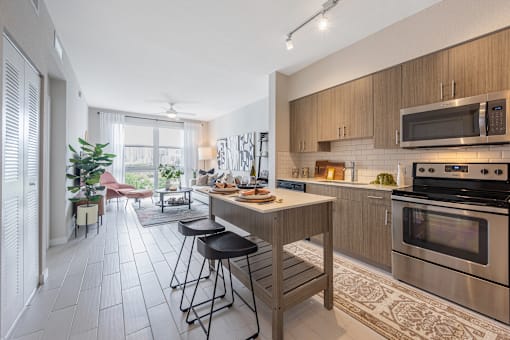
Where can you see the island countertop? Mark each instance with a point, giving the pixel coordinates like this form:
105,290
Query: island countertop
290,200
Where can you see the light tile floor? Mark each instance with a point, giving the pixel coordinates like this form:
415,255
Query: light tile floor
115,285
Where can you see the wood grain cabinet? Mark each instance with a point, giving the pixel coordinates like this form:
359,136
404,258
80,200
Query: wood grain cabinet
328,118
346,111
303,125
499,61
376,225
387,104
361,222
423,79
465,70
354,108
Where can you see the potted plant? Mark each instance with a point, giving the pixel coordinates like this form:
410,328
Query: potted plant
89,164
172,174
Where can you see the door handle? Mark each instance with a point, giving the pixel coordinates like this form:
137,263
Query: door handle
304,145
345,128
375,197
453,88
339,132
441,90
397,137
32,184
386,211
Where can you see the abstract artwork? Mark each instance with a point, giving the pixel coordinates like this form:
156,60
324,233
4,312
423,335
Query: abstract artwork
221,146
236,152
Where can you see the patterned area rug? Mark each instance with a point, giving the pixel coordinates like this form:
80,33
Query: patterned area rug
151,216
395,310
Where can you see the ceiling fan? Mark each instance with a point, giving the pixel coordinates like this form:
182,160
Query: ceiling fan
172,113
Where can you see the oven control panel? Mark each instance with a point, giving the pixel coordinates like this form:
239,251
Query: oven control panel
480,171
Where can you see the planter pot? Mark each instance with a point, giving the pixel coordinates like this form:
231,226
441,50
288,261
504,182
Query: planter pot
173,184
86,214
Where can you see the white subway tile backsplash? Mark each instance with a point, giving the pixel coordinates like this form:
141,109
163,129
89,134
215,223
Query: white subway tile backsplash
370,161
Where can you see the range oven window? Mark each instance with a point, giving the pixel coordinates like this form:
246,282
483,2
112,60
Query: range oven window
456,235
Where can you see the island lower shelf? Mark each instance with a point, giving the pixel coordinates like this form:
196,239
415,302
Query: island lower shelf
301,279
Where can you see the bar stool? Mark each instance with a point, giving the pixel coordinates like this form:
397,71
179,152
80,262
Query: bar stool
223,246
194,228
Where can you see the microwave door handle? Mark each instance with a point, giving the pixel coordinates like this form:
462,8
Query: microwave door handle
482,120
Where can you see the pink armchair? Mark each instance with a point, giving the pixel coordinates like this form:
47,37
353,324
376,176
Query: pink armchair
114,189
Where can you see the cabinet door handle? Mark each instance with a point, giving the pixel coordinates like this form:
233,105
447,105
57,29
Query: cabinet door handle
441,90
304,145
453,88
345,128
339,132
386,211
375,197
397,139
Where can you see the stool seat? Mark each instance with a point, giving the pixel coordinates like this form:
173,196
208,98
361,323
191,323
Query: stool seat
225,245
200,227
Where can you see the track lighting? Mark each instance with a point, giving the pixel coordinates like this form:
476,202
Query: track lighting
289,43
323,23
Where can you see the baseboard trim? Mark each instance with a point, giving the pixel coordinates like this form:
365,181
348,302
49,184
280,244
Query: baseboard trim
58,241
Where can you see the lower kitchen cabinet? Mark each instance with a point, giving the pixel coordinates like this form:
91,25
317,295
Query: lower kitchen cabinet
376,225
361,222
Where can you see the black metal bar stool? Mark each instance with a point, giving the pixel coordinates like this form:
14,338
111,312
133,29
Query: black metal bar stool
193,229
223,246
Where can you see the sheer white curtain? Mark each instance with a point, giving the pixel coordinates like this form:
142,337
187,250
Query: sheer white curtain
112,131
190,150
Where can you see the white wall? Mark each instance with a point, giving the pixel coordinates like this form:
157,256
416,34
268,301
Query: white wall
253,117
445,24
33,34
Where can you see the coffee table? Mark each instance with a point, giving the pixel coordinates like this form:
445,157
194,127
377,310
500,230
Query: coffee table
162,192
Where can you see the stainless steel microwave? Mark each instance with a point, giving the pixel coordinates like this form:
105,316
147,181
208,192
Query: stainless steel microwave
474,120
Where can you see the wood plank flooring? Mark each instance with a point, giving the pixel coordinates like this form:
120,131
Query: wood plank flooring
116,285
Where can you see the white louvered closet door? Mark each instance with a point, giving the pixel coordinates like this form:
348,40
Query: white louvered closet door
20,183
12,185
31,181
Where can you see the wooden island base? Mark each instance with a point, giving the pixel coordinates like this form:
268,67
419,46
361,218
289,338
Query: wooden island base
301,280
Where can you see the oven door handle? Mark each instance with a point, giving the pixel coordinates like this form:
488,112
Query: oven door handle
481,208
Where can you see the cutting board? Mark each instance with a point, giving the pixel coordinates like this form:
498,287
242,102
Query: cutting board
321,169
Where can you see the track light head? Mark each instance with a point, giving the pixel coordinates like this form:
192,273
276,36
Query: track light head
289,43
323,23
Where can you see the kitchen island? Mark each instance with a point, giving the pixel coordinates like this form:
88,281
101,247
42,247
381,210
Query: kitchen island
282,280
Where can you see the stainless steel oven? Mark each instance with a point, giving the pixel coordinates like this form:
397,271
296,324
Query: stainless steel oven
474,120
450,234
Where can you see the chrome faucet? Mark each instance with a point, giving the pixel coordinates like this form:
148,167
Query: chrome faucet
353,170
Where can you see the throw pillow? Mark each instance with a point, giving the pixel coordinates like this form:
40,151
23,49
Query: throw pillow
204,172
202,180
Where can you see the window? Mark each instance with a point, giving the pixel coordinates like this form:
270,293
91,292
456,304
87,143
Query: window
148,144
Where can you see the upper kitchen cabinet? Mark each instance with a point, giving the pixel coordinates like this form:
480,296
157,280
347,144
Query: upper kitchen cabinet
467,69
303,126
387,104
353,109
359,117
328,118
424,79
499,61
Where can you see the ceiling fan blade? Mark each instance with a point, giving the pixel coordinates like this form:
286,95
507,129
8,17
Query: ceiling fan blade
186,113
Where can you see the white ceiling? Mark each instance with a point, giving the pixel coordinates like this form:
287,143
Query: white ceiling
210,57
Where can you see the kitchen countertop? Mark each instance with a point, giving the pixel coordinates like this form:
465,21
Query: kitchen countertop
347,184
291,199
